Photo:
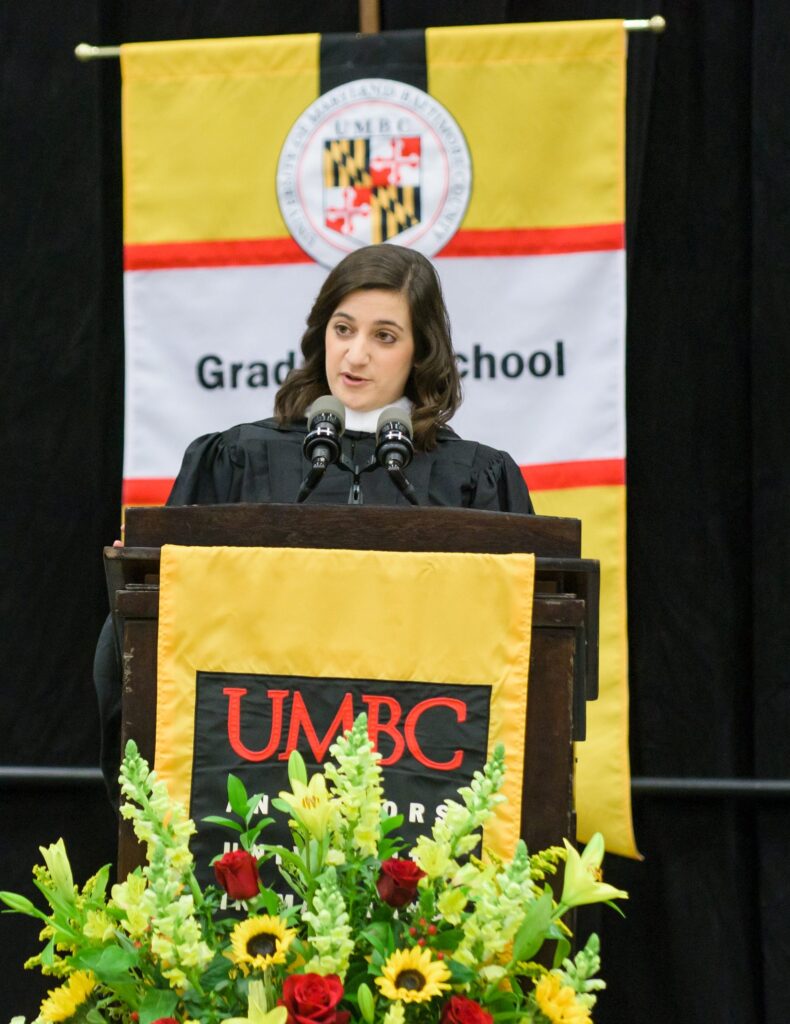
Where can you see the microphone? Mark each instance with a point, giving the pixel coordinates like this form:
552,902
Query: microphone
394,447
326,421
393,438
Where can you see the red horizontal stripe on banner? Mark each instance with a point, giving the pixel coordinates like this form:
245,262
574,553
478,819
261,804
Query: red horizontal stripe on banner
551,476
245,252
536,241
554,476
152,491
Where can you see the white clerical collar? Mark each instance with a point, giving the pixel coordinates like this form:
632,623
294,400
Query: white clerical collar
366,422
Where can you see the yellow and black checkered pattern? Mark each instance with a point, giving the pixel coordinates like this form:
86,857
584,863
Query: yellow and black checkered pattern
346,163
392,210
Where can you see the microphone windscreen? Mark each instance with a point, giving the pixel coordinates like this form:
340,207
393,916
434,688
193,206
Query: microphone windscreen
394,414
327,404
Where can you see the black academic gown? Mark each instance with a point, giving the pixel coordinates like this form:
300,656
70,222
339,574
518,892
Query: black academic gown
263,462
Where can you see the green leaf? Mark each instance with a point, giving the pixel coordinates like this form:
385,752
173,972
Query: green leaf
556,931
530,936
110,964
561,952
288,857
93,1016
281,805
48,954
21,905
99,886
237,795
459,973
252,834
379,935
448,939
214,819
390,848
126,992
390,824
55,900
216,972
156,1004
252,806
270,901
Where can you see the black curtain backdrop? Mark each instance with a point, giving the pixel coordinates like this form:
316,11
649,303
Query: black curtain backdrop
707,933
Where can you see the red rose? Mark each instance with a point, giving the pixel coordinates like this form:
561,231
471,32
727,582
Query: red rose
237,873
397,884
460,1010
313,999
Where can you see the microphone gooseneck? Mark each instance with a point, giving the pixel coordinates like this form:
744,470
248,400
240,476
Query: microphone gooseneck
395,449
326,420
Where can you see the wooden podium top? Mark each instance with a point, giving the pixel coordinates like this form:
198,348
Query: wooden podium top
357,527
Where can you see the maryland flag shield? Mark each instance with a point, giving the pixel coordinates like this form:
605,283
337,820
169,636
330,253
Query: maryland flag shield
253,165
372,187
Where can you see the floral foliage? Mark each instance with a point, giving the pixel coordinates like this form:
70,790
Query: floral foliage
440,936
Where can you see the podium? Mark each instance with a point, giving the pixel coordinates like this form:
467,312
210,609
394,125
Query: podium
564,650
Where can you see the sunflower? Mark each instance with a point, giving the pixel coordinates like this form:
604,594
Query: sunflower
260,942
412,976
62,1003
558,1003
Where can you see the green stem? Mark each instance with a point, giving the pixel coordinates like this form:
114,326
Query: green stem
195,983
268,990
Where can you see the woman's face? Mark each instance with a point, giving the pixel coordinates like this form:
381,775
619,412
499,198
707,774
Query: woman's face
369,348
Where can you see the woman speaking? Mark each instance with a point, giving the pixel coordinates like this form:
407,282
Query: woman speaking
378,335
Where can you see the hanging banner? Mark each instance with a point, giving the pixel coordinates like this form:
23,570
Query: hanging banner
238,688
253,165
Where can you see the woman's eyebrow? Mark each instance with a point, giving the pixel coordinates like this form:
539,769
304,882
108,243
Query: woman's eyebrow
378,323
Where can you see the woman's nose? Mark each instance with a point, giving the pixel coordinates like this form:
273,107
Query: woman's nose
358,349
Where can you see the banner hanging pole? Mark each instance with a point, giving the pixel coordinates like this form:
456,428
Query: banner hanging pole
369,17
85,51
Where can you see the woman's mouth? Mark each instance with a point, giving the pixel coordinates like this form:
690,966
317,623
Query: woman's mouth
352,380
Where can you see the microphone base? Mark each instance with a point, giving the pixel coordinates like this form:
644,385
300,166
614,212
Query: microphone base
398,478
314,474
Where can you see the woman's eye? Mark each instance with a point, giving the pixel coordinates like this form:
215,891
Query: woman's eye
342,329
386,337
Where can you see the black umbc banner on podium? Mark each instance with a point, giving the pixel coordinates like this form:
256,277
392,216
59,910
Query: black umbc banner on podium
432,738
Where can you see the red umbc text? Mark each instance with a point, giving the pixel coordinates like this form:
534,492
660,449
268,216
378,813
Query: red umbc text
385,718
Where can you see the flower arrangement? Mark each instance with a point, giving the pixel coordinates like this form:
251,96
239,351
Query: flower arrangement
437,937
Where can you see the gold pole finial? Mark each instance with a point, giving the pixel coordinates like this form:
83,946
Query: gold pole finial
656,24
85,52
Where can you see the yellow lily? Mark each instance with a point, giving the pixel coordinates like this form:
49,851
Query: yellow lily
583,873
311,805
57,861
256,1009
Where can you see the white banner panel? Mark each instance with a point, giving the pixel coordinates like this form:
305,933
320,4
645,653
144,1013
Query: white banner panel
208,348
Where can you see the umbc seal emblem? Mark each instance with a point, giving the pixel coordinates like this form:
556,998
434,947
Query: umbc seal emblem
373,161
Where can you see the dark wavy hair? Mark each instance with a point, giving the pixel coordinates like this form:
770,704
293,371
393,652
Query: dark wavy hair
433,385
